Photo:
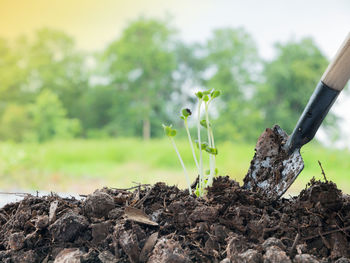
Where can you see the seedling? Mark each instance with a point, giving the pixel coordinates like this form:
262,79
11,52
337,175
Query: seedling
171,133
205,179
199,189
211,149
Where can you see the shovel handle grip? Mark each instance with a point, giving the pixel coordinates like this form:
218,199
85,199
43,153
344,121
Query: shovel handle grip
338,72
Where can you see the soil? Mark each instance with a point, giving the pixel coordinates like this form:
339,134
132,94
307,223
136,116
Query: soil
161,223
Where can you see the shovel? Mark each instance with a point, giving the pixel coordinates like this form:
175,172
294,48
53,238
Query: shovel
277,161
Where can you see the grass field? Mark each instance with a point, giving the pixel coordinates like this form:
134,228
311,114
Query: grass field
80,166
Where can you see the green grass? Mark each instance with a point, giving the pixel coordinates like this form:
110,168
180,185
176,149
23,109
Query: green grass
84,165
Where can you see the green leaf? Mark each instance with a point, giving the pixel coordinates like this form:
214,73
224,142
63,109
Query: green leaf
215,93
206,98
199,95
173,133
186,112
204,145
168,130
213,151
204,123
207,92
197,192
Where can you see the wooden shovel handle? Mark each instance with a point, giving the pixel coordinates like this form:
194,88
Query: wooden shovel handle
338,72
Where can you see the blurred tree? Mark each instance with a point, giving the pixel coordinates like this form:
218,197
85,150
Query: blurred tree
289,82
145,77
12,73
50,118
139,67
54,64
16,123
96,116
233,67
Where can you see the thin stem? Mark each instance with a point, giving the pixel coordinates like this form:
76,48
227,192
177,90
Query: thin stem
211,160
212,137
183,165
209,140
200,147
214,157
208,124
191,143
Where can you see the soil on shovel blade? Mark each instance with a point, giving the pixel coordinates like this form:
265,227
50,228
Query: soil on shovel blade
160,223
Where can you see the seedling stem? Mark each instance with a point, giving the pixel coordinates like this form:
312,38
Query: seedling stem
171,133
191,143
201,179
182,164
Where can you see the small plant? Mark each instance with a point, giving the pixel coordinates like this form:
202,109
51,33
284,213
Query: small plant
211,148
205,179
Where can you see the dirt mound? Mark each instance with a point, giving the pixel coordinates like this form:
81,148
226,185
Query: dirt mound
164,224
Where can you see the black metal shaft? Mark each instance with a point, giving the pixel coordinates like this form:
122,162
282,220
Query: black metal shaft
314,113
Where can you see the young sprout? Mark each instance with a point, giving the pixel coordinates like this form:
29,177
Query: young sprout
211,149
171,133
206,97
185,114
200,170
205,178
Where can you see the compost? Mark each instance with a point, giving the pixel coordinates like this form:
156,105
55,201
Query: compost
160,223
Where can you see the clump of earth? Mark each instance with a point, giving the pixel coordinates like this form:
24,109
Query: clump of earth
162,223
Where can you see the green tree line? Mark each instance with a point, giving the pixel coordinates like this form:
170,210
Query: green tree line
50,89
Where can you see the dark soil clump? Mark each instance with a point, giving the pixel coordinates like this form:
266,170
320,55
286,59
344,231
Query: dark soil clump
164,224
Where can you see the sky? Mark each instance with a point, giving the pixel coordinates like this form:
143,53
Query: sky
95,23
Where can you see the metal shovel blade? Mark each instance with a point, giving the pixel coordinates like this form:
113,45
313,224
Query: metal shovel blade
273,169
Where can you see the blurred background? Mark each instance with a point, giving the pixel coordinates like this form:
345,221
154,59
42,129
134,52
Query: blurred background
85,86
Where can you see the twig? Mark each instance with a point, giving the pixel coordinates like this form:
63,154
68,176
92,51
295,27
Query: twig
327,233
142,200
312,213
19,194
324,175
130,188
295,242
325,242
341,229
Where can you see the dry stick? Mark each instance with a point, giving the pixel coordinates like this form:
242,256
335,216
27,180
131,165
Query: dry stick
324,175
19,194
296,240
327,233
143,199
325,242
130,188
341,229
